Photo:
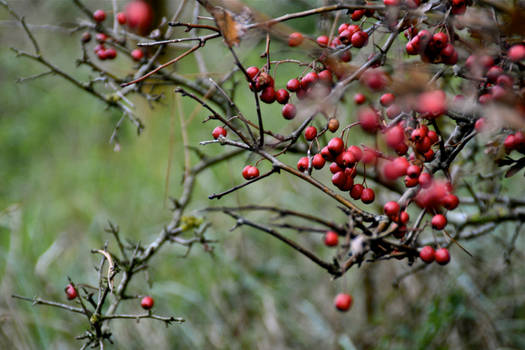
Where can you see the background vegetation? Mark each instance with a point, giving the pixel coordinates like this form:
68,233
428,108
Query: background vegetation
61,181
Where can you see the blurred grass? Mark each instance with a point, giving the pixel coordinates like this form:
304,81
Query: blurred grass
61,182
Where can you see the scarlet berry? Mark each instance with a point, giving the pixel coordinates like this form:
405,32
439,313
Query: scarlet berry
293,85
493,73
309,79
111,53
387,99
295,39
101,37
439,221
121,18
289,111
218,131
325,76
147,302
433,136
413,171
335,168
356,191
137,54
425,180
450,201
359,39
395,136
368,119
404,217
442,256
268,94
391,2
510,143
250,172
327,155
342,28
302,164
392,210
99,16
71,292
318,161
359,98
139,15
343,301
427,254
411,182
358,153
440,40
322,40
357,15
339,179
282,96
368,195
331,239
310,133
516,53
252,72
479,125
336,145
432,104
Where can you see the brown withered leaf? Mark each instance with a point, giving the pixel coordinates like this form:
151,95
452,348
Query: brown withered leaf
224,19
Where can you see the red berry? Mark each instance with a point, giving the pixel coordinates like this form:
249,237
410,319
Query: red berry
111,53
346,159
359,39
295,39
339,179
479,125
99,16
71,292
336,145
442,256
413,171
102,54
450,201
392,210
322,40
404,217
309,79
493,73
368,119
359,98
356,191
391,2
218,131
289,111
293,85
517,53
137,54
368,195
342,28
440,40
99,47
310,133
395,136
318,161
147,302
282,96
357,15
302,164
427,254
432,104
425,180
327,155
252,72
331,239
325,76
439,221
369,156
343,301
335,168
250,172
411,182
121,18
358,153
268,94
139,15
510,143
387,99
101,37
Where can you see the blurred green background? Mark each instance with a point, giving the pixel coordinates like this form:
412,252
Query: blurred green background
61,181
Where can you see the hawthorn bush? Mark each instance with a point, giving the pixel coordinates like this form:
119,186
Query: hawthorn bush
395,126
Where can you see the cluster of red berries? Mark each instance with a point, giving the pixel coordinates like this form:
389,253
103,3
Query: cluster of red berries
147,302
434,48
428,255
